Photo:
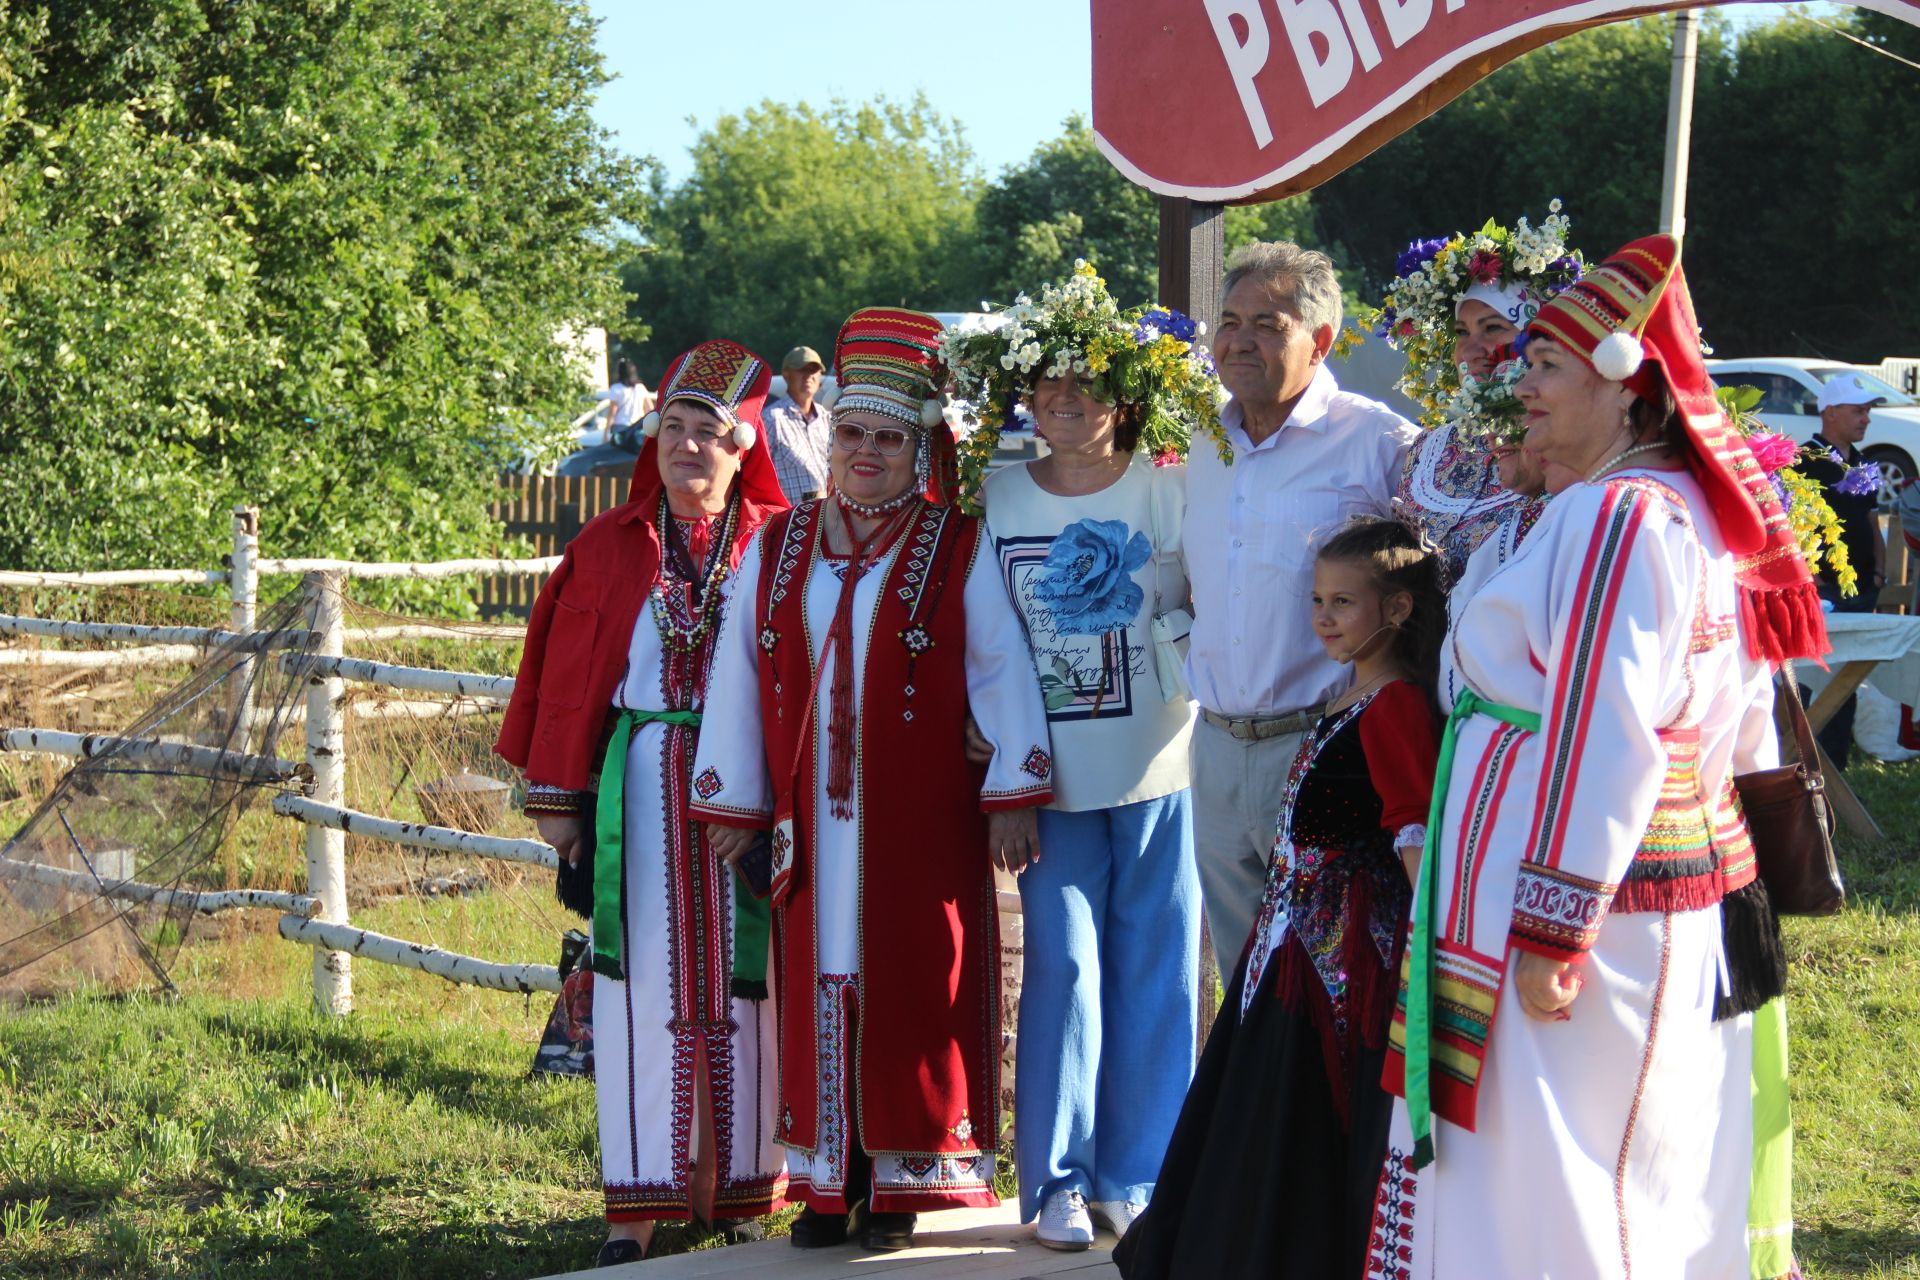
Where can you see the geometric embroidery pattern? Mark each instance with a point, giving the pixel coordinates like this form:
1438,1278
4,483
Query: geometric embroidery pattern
708,784
1038,763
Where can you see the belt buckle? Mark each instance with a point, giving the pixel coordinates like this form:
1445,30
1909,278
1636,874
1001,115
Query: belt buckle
1244,729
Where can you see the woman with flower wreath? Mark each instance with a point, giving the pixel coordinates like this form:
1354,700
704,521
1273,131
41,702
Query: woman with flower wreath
867,626
1575,1101
1454,309
605,719
1088,538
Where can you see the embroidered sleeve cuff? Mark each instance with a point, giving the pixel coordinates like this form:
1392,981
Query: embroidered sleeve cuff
1025,798
724,815
1557,914
542,798
1414,833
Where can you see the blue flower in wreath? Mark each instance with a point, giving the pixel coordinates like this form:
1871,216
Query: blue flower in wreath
1087,578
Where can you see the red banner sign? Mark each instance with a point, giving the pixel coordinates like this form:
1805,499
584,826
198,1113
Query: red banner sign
1241,100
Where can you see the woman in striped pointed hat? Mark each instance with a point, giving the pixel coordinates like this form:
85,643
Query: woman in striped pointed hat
1572,1105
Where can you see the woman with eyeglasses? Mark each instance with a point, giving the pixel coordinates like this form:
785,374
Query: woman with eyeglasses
865,627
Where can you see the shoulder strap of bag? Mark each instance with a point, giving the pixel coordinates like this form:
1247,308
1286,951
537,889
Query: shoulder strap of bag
1788,689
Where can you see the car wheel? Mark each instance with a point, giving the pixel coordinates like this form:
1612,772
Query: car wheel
1896,468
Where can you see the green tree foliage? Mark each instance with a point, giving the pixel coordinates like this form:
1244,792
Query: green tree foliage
1805,196
1583,118
1068,201
794,216
307,253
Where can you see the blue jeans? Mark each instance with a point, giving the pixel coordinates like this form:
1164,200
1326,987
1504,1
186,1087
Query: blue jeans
1107,1001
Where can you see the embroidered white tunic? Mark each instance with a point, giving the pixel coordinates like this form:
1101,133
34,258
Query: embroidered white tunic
1003,696
1614,1143
651,1031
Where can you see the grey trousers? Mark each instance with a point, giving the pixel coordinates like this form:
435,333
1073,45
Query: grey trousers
1237,790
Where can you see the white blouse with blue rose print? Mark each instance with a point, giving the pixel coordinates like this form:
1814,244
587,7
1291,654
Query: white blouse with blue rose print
1088,574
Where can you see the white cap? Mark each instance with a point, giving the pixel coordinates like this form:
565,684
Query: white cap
1847,389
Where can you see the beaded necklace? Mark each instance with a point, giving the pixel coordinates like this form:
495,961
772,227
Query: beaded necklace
872,511
702,593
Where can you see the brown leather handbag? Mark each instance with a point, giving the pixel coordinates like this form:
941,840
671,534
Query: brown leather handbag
1792,823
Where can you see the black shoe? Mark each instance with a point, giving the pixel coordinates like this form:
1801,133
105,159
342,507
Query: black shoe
739,1230
818,1230
887,1232
615,1252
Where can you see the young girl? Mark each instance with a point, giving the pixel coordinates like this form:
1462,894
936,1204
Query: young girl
1272,1166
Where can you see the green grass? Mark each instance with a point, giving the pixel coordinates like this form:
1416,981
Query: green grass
1854,1013
234,1134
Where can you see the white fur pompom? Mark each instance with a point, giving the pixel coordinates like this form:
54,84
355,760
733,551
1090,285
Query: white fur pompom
1618,356
931,414
744,435
650,425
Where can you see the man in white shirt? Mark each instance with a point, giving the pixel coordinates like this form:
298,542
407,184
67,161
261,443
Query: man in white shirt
1306,457
800,428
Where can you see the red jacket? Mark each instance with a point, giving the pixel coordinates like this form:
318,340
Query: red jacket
577,641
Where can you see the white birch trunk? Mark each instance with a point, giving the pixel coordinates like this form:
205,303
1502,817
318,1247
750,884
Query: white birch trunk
326,847
454,967
204,901
204,760
415,835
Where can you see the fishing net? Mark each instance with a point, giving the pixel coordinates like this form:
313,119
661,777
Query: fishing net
109,863
415,756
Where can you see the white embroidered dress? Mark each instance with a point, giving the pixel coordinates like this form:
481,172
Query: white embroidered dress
1003,696
1616,1142
674,1016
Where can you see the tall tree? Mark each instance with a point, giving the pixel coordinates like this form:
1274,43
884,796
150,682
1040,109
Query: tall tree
793,216
1806,193
1067,201
1583,119
312,254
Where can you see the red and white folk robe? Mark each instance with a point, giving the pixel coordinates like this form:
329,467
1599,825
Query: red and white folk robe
886,947
1615,1143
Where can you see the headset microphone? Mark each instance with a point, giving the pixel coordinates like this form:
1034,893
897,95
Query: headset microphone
1357,650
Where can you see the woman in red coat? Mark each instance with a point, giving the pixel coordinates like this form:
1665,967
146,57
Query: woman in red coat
605,719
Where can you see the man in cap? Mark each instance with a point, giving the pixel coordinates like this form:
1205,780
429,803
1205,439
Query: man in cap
801,428
1832,460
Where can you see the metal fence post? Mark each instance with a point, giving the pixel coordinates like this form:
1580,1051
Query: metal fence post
326,752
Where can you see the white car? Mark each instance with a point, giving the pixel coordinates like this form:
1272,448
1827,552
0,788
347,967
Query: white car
1789,386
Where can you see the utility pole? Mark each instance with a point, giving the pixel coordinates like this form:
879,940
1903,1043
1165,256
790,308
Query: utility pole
1673,184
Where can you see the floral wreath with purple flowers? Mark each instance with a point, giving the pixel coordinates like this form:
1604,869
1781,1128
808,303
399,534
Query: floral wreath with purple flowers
1148,357
1415,317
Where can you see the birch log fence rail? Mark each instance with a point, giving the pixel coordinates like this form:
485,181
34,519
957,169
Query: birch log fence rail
316,786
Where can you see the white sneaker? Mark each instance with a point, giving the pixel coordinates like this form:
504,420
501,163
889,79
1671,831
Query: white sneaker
1064,1222
1118,1214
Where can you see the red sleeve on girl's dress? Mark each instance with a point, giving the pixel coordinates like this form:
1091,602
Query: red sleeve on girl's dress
1402,744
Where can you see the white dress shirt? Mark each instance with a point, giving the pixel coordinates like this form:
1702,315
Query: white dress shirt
1251,532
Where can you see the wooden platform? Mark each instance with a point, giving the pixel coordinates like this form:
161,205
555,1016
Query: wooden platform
987,1243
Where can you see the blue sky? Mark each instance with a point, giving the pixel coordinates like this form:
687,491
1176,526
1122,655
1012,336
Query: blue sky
1010,71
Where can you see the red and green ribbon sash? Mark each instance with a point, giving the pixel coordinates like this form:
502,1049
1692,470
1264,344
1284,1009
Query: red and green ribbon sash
1426,905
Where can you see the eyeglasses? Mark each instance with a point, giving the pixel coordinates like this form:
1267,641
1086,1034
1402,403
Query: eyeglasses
887,441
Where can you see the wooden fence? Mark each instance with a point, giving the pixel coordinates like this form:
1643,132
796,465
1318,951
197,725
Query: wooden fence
547,511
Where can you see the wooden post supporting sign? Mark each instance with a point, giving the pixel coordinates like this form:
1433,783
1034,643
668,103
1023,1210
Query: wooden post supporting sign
1192,256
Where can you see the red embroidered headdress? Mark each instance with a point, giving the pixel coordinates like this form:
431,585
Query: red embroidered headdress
1631,319
732,381
888,362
